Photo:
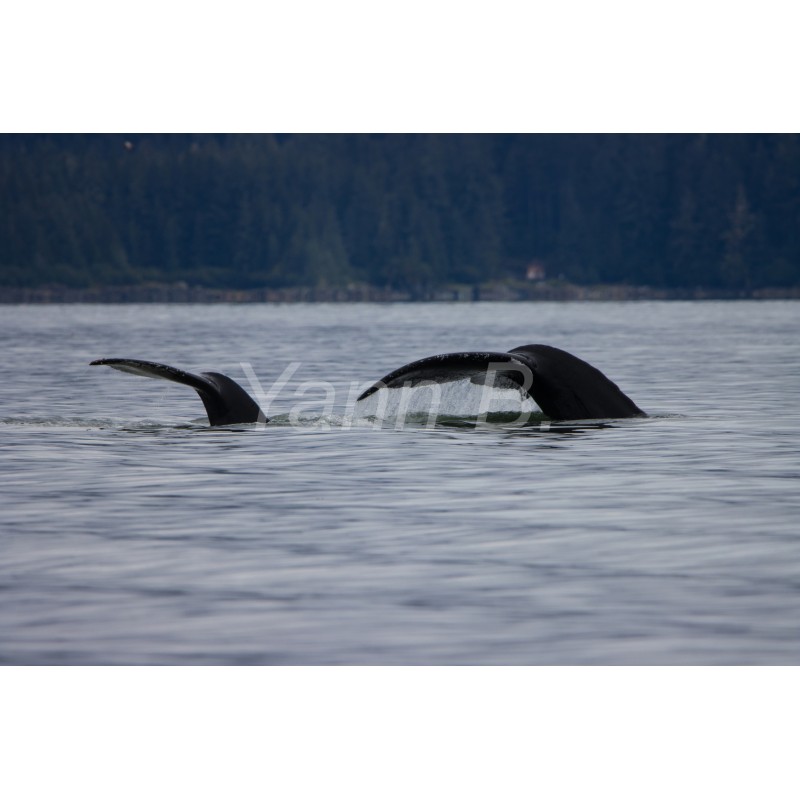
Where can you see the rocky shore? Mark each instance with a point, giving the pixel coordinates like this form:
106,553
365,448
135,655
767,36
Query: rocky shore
508,292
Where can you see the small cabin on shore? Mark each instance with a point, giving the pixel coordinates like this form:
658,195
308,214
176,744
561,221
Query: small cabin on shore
535,271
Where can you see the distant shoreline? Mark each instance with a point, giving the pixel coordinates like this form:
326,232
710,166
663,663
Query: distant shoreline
502,292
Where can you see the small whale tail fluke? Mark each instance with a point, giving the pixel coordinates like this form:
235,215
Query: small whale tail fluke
226,403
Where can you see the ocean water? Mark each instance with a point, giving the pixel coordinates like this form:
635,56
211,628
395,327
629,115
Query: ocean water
133,533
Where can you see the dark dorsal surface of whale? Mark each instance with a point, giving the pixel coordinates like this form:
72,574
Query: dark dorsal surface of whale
226,403
562,385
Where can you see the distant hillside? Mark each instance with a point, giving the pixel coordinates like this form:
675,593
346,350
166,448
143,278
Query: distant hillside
407,213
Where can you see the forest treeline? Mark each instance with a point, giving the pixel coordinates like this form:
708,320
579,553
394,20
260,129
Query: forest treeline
402,211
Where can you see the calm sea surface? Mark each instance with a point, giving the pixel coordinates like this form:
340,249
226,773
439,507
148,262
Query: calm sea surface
132,533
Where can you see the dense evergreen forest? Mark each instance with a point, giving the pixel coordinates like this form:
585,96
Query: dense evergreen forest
399,211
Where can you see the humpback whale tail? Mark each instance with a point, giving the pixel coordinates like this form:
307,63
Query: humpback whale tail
562,385
226,403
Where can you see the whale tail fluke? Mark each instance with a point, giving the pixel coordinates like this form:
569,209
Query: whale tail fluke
226,403
562,385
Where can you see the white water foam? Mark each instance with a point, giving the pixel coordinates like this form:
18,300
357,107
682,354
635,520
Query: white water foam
451,399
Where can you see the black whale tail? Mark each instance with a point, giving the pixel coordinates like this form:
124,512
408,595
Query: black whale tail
562,385
226,403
